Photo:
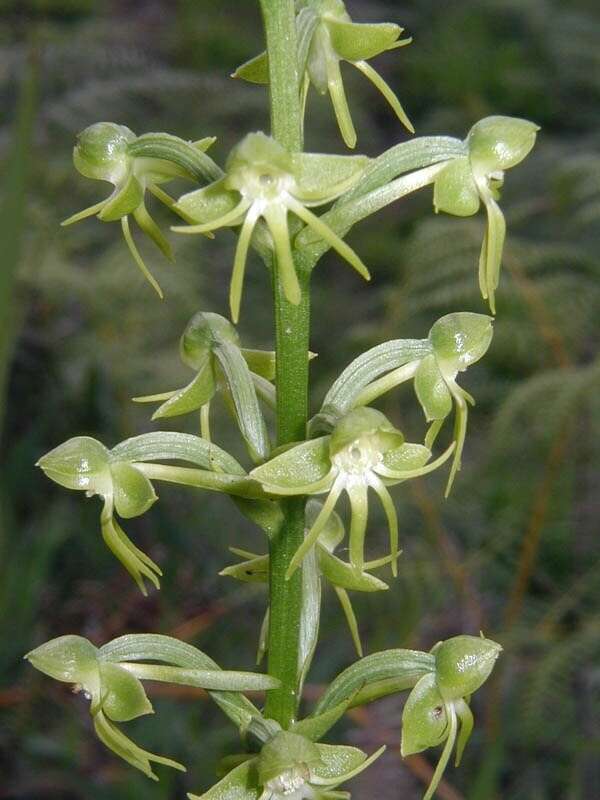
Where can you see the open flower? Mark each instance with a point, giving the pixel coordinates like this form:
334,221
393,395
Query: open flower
115,695
495,144
327,36
342,576
264,181
136,164
457,341
364,451
84,464
439,701
210,345
291,767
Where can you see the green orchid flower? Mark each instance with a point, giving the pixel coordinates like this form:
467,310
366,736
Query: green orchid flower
136,165
495,144
84,464
439,700
364,451
210,345
291,767
326,37
264,181
340,575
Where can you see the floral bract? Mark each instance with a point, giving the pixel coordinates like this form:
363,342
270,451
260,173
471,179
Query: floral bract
110,152
363,452
264,181
495,144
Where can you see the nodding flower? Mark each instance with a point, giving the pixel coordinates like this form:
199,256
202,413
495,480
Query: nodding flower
440,700
494,145
264,181
327,36
136,165
85,464
364,451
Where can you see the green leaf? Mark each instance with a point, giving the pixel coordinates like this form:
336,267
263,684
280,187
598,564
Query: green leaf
169,445
123,696
424,719
297,469
124,200
358,41
455,191
405,667
80,463
243,392
239,784
133,494
255,70
431,390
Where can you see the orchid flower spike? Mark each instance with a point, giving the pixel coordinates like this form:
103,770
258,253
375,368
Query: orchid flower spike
494,145
84,464
327,36
342,576
264,181
457,341
291,767
440,700
364,451
210,345
115,695
136,164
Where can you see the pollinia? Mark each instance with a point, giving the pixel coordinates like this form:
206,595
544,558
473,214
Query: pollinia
291,207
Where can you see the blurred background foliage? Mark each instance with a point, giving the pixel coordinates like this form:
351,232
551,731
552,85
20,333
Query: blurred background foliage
513,552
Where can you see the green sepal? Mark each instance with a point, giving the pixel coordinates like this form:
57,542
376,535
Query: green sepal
80,463
124,200
354,41
285,752
321,177
101,151
255,70
424,719
404,667
463,664
431,390
345,576
341,763
239,784
297,469
455,191
201,334
365,422
123,696
460,339
71,659
499,143
408,456
207,204
133,494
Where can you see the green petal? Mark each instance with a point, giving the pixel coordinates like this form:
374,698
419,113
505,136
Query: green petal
357,41
123,696
124,200
232,217
408,456
335,85
392,518
431,390
491,251
87,212
239,263
402,475
137,563
276,218
460,432
350,619
325,232
379,83
455,191
151,229
298,469
137,257
341,763
465,715
192,397
319,524
255,70
133,494
208,203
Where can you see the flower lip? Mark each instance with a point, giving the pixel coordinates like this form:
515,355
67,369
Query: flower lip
359,457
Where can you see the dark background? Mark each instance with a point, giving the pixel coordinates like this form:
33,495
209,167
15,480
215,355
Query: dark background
513,552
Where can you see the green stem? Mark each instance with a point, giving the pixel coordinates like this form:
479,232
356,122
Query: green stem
292,331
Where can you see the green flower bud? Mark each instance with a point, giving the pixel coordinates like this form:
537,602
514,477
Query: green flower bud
101,151
80,463
463,664
424,719
499,143
460,339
